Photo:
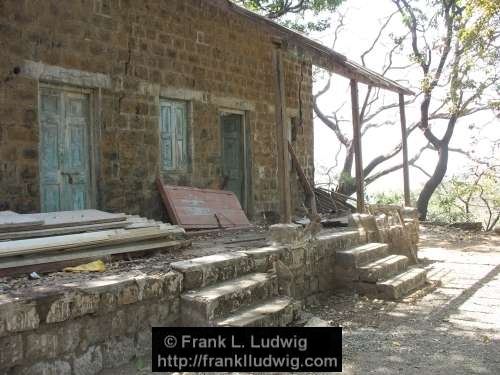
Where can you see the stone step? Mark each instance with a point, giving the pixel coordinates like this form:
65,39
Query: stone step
383,268
275,312
203,307
402,284
211,269
357,256
261,256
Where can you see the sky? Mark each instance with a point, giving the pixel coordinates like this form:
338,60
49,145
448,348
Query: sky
362,22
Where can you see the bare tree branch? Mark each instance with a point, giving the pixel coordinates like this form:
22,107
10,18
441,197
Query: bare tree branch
377,38
415,165
334,125
384,172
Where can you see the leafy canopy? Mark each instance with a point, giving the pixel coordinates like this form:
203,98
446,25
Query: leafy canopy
280,9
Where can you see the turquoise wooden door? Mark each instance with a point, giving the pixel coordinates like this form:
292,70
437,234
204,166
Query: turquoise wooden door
233,154
64,150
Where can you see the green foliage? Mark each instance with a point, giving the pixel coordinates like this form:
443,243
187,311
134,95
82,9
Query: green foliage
444,207
140,364
277,9
386,198
478,34
318,25
346,178
468,198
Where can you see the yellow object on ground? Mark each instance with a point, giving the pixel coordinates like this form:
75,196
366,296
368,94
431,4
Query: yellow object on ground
97,266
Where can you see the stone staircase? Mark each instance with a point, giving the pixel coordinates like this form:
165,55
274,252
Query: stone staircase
372,271
230,289
239,289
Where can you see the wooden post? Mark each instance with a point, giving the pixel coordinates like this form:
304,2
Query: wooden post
303,180
282,139
406,171
358,152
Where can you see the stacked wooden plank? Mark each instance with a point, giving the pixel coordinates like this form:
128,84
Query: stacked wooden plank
52,238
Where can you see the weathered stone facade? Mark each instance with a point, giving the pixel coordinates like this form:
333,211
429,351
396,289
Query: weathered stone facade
129,55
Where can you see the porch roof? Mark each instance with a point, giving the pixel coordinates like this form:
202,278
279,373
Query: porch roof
321,55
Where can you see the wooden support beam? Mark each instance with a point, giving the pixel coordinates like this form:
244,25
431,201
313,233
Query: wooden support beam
404,135
303,180
281,136
358,152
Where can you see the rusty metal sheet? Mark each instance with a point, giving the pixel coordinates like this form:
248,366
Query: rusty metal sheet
194,208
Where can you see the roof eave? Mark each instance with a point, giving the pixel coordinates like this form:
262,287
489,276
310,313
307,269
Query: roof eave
322,56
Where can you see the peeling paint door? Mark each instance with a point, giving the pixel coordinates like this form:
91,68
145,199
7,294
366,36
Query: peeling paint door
64,150
233,160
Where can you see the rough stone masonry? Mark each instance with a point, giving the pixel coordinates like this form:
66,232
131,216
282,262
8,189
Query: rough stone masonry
101,322
127,55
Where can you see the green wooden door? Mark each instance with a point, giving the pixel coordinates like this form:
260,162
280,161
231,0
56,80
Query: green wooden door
64,150
233,161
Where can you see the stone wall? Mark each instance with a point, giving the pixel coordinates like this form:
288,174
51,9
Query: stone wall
129,54
86,327
105,322
312,263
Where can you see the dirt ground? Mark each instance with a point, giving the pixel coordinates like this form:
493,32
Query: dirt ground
451,327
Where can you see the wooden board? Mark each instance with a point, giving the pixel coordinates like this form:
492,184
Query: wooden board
14,222
80,217
193,208
79,241
63,230
10,220
85,255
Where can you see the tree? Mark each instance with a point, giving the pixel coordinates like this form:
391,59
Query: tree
456,50
276,9
463,61
375,111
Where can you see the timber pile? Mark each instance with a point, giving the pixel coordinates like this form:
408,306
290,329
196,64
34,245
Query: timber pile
46,241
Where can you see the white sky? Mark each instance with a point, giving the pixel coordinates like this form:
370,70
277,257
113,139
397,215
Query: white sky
363,20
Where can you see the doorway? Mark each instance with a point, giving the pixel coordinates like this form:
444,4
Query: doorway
64,150
234,151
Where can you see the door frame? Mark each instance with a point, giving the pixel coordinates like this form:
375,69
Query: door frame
92,151
246,151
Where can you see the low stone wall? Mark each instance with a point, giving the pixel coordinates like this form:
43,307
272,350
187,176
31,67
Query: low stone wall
81,329
400,240
311,262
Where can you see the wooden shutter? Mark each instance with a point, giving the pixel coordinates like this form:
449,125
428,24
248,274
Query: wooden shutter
180,136
173,119
166,134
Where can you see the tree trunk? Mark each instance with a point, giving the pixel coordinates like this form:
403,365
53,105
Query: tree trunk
433,182
347,185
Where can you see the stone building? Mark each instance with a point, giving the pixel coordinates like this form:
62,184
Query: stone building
99,97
